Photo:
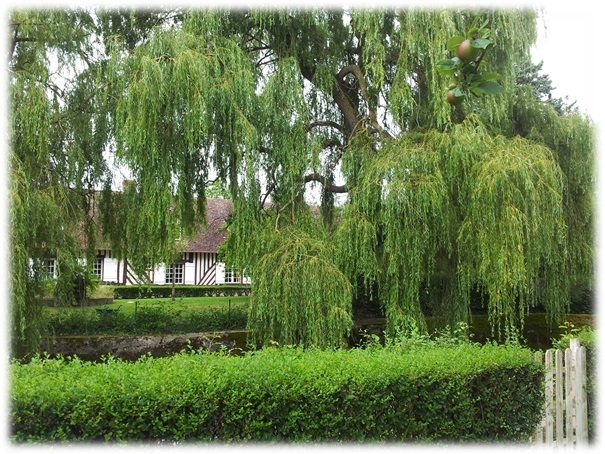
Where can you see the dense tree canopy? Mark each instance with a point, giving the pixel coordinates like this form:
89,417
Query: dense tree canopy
422,202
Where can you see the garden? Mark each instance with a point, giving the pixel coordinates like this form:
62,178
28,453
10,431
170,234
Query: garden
411,202
152,316
404,392
449,387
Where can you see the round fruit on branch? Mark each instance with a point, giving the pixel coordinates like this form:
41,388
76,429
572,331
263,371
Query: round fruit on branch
466,52
453,99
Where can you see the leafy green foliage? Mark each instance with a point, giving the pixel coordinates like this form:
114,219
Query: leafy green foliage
300,296
464,68
276,103
156,319
528,73
474,190
180,291
459,393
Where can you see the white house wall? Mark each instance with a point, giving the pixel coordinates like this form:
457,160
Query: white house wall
189,274
159,276
110,270
220,273
205,268
201,270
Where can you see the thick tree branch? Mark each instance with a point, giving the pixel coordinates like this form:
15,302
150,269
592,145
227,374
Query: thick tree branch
358,73
332,124
350,113
16,39
329,143
327,187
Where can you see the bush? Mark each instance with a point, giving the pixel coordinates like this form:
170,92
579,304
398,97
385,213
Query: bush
162,319
458,393
181,291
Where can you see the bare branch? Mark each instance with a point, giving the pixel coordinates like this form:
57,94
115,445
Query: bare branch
328,187
328,123
356,71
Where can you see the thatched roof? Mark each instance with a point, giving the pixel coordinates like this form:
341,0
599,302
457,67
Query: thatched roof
210,238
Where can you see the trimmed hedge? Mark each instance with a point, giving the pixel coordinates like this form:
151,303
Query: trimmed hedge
181,291
462,393
160,319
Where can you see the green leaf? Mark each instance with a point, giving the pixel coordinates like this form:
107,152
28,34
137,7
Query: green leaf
458,92
481,43
477,17
489,88
489,77
447,66
454,42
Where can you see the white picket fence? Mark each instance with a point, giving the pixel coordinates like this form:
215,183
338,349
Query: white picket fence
565,422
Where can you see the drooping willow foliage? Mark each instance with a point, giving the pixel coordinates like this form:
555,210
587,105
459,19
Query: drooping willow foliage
55,158
316,313
421,204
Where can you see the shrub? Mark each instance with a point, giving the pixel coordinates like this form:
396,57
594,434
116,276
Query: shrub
181,291
457,393
162,319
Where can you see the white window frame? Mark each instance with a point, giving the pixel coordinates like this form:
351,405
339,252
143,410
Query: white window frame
232,276
97,268
49,267
175,271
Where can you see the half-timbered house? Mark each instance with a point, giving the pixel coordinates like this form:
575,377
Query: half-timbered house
198,264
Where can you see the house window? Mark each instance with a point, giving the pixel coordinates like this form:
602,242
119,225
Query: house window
97,268
48,267
232,276
174,274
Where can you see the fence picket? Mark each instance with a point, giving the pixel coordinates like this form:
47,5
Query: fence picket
581,401
538,437
565,421
559,402
549,395
569,404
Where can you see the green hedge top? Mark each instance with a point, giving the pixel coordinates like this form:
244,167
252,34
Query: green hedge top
457,393
181,291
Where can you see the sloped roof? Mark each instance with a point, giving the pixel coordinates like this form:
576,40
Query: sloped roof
211,236
208,239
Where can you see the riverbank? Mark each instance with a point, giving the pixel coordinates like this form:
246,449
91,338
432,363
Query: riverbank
537,334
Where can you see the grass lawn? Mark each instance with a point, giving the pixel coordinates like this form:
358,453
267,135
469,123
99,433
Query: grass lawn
127,306
151,316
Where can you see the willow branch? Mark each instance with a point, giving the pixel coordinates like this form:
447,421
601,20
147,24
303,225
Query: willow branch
327,187
328,123
358,73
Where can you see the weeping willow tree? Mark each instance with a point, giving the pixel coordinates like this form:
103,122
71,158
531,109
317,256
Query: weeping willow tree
61,121
55,159
422,200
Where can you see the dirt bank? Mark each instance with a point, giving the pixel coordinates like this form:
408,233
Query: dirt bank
131,347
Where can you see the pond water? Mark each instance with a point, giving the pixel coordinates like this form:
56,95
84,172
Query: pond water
537,334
